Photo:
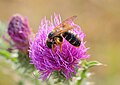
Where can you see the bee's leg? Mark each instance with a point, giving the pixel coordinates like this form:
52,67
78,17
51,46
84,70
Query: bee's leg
60,47
59,41
53,48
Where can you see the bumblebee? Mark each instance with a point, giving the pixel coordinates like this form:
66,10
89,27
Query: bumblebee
55,37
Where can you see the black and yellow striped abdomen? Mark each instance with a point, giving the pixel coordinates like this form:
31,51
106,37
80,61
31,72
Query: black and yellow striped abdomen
71,38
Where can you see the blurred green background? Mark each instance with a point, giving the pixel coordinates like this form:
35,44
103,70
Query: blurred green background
99,19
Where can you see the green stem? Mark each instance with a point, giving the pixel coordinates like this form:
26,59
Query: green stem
36,81
48,82
83,76
68,83
79,82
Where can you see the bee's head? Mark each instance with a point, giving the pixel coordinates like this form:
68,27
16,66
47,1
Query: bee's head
50,35
50,43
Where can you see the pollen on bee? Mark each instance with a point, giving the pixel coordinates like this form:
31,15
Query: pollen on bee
61,28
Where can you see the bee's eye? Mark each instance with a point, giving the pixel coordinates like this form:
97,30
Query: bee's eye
50,35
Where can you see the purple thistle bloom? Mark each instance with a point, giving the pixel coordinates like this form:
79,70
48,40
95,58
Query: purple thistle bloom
46,61
19,31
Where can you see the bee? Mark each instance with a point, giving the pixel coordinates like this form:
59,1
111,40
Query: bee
63,30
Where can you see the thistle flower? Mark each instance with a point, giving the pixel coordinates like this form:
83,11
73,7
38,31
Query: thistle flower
46,61
19,31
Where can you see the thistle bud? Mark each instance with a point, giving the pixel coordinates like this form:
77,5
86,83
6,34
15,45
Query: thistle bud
19,31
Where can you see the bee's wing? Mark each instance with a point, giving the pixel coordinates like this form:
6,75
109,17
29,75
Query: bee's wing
69,20
64,26
63,29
